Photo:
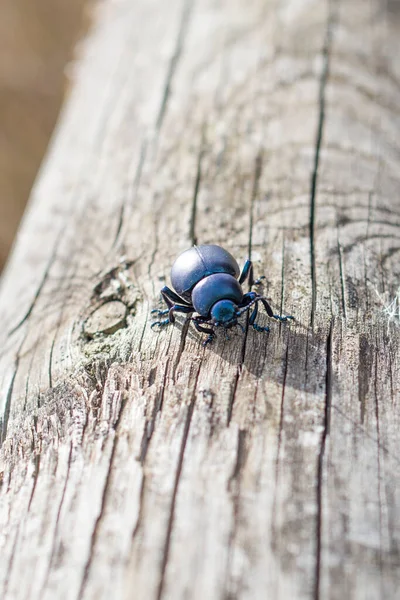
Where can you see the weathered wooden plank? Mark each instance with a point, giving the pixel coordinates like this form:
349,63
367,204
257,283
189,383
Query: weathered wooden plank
144,464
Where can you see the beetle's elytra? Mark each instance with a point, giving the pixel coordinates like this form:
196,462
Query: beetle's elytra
207,281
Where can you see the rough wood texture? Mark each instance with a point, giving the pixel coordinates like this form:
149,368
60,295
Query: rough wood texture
141,465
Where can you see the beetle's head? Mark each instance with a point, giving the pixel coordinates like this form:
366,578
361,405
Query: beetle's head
224,313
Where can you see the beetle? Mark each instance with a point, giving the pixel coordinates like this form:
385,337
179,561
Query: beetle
207,281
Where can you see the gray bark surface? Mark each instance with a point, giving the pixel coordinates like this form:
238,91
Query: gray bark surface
142,465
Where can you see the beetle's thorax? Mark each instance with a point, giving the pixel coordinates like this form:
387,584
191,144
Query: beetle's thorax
214,288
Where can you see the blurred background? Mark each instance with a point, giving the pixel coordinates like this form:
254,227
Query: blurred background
37,38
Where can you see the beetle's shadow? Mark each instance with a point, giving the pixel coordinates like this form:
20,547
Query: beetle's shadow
289,354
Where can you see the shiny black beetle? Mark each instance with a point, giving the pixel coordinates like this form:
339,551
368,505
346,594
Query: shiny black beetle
207,280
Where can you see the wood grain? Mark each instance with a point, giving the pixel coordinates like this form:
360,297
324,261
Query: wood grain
143,465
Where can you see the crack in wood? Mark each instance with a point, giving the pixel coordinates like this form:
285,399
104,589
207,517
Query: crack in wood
326,51
171,518
28,377
39,288
192,224
53,546
367,234
35,478
256,184
11,562
124,204
232,395
282,275
342,279
365,364
104,498
182,344
321,458
141,507
254,192
149,426
234,489
379,469
279,446
176,56
7,409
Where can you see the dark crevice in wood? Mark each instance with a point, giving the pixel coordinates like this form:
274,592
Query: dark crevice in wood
104,497
154,253
28,378
136,183
326,51
254,193
240,456
53,546
182,343
119,224
365,364
171,518
35,478
192,225
367,234
282,410
10,563
7,408
99,518
342,279
143,331
68,281
232,396
50,369
39,288
234,489
279,445
256,185
150,425
193,238
379,470
321,458
141,507
185,17
282,275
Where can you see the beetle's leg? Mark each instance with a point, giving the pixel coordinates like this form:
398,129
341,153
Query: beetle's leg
241,326
201,329
160,324
258,281
252,320
270,313
247,273
158,312
171,318
171,299
179,308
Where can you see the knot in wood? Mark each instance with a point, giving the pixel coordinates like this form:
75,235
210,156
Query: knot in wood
106,319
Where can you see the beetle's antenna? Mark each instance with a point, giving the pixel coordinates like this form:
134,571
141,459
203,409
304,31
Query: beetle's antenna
242,310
